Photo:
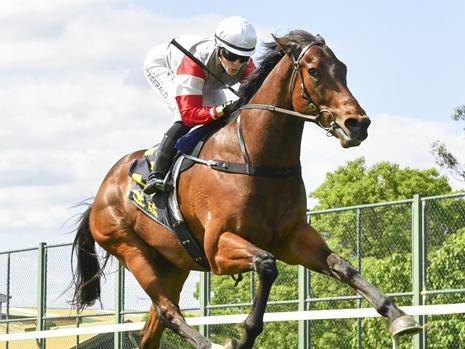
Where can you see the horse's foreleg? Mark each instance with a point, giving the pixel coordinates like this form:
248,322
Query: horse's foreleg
400,323
235,255
307,248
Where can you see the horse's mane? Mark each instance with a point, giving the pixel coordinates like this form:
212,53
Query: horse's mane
267,61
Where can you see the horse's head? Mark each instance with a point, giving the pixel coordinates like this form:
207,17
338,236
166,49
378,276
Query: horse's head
318,87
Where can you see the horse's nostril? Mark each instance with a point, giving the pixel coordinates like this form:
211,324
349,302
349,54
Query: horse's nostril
352,123
357,124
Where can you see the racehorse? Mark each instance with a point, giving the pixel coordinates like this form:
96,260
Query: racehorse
244,222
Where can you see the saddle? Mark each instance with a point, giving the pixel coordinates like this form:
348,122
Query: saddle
163,206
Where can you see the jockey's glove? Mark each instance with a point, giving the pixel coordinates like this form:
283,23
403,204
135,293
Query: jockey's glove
227,107
224,109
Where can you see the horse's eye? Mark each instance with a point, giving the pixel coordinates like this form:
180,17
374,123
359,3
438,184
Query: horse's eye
314,73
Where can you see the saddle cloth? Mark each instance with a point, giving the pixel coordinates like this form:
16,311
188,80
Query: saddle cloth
163,207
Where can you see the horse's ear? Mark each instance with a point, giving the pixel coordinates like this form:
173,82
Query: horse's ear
285,44
320,39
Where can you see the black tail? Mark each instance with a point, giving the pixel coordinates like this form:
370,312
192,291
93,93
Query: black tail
86,277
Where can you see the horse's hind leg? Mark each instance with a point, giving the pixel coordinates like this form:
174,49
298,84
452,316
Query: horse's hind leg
139,259
307,248
150,335
173,280
234,255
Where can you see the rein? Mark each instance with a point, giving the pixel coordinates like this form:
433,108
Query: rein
307,117
258,170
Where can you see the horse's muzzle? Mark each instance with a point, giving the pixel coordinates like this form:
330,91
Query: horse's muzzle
354,132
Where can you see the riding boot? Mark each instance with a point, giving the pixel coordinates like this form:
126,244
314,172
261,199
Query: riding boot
156,180
163,160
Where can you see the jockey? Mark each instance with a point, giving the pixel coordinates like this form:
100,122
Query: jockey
193,95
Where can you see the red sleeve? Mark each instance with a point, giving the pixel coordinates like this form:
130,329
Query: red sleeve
190,79
193,112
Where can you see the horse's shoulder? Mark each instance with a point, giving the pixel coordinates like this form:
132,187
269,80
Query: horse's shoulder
223,133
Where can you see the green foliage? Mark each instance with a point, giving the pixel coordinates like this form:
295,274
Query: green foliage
446,267
171,340
444,217
446,272
385,229
444,158
459,113
355,184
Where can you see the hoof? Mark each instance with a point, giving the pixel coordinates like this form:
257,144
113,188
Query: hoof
404,325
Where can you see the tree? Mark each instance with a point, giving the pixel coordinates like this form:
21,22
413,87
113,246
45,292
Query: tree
444,158
385,229
355,184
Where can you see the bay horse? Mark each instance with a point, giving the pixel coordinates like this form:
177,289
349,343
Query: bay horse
243,222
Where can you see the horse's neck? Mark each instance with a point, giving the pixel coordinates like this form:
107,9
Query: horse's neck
273,138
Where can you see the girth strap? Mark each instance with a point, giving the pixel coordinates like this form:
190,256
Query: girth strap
188,242
248,169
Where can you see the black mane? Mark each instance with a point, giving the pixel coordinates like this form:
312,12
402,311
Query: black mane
268,61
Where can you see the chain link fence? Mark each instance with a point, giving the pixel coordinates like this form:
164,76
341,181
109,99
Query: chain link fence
414,250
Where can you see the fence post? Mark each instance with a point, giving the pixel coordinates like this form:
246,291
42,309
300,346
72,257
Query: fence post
303,325
358,226
119,304
8,280
41,291
204,292
417,265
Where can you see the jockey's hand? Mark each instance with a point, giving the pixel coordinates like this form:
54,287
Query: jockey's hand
224,109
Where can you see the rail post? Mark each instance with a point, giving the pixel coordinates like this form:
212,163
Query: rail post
204,295
41,291
417,265
303,325
119,304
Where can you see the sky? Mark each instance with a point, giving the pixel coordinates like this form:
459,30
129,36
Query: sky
73,97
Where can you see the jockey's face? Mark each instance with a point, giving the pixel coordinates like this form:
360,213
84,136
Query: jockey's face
231,63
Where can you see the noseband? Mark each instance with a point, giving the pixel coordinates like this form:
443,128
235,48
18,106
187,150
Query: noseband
307,117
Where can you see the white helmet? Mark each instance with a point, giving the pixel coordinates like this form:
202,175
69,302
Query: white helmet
237,35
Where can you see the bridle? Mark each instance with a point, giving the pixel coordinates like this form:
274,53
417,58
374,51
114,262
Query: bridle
258,170
297,70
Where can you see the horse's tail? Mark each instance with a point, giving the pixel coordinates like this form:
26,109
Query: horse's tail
86,277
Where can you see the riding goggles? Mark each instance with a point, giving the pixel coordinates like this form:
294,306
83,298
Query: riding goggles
232,57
